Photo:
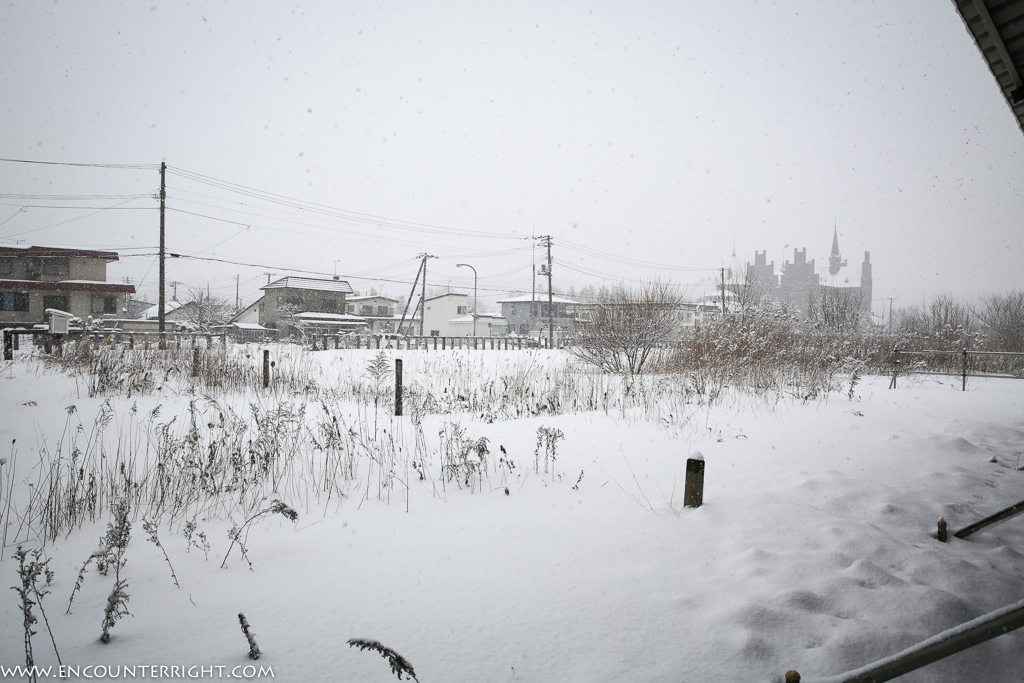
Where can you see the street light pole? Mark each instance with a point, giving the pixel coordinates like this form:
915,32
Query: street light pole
459,265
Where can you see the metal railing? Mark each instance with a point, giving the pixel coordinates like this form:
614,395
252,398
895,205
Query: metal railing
933,649
965,370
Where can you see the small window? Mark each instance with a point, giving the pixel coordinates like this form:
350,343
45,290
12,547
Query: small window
435,333
56,267
55,301
463,310
33,268
351,308
6,266
383,311
13,301
366,310
104,305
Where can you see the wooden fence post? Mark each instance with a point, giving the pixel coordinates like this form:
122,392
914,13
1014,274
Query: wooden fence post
965,371
8,345
195,361
398,387
693,493
266,368
942,530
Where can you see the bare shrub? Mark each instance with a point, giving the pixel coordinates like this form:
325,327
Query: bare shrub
627,327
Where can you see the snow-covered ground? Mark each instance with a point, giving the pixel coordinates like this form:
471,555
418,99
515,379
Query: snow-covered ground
814,550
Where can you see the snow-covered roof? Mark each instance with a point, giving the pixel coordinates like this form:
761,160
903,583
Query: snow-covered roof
23,250
153,312
314,284
248,326
339,317
353,299
482,316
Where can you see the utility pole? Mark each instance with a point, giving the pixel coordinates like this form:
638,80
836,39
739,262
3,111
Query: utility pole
551,308
423,292
890,313
161,314
408,301
238,301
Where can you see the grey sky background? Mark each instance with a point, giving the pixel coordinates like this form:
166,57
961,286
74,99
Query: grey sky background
646,138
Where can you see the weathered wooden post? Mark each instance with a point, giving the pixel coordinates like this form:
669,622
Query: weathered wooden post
895,366
693,493
266,368
195,361
8,345
313,338
17,342
398,387
131,342
965,371
475,339
48,343
942,530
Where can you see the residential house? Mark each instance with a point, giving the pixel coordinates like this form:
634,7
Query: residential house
439,311
381,315
528,315
302,305
33,279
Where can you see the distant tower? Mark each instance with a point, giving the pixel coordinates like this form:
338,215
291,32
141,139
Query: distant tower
835,261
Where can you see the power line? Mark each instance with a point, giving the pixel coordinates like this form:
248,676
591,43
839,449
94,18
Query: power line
141,167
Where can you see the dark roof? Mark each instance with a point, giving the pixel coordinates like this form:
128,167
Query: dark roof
997,27
68,286
58,251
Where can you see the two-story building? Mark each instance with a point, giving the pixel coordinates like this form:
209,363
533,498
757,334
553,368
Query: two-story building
528,315
33,279
381,315
301,305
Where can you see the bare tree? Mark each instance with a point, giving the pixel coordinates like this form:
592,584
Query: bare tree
837,310
942,322
1003,318
204,311
627,325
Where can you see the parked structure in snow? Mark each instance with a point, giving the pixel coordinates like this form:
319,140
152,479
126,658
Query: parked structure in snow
33,279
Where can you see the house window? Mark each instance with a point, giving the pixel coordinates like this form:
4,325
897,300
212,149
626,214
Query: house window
435,333
56,266
104,305
55,301
463,310
366,310
13,301
351,308
383,311
6,266
33,268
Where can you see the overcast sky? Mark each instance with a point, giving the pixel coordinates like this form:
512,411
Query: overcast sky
647,138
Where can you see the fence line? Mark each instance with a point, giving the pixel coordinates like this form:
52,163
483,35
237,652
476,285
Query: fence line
964,355
940,646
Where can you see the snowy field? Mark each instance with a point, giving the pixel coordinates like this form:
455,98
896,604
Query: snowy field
814,550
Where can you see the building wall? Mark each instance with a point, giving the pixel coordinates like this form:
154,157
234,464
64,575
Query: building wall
278,300
53,268
520,320
438,311
77,303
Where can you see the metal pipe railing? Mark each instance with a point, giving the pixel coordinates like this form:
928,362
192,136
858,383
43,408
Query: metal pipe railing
933,649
